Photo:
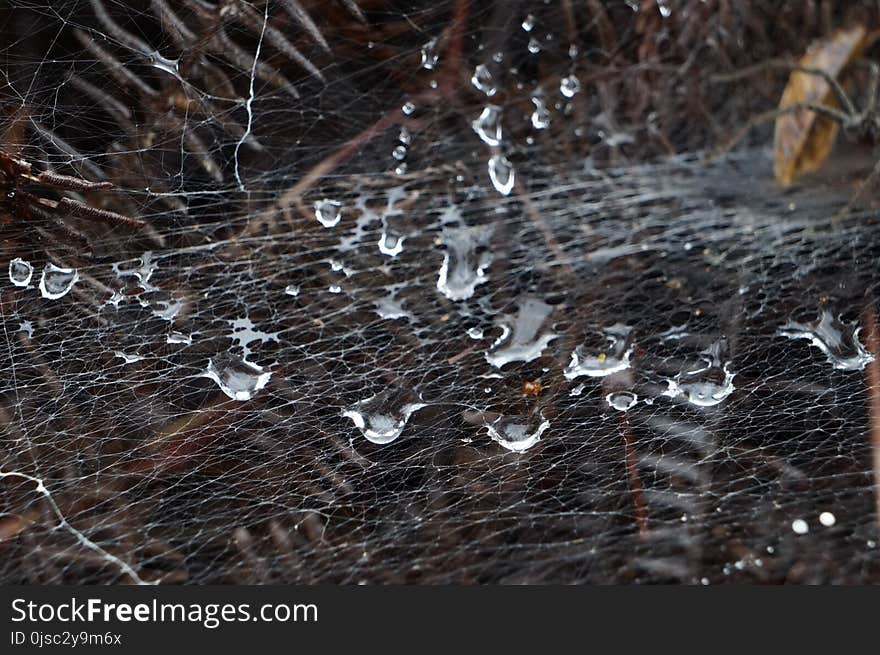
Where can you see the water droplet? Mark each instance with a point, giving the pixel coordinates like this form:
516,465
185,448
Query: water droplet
502,174
128,359
799,526
408,108
179,338
615,358
475,333
534,46
839,341
827,519
517,433
482,80
541,115
56,281
429,55
488,125
20,272
704,387
237,378
399,153
390,244
463,269
291,290
405,137
328,212
529,23
522,342
381,418
569,86
622,400
578,390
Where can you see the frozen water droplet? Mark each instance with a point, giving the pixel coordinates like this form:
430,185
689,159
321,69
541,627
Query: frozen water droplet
482,80
462,268
827,519
56,281
612,360
522,342
569,86
20,272
408,108
334,288
622,400
399,153
291,290
237,378
405,137
390,244
27,327
839,341
534,46
578,390
475,333
488,125
381,418
541,115
502,174
529,23
328,212
429,55
517,433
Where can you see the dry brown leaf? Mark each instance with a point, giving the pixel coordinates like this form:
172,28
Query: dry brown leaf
803,139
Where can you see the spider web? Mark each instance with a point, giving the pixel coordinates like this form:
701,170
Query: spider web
430,292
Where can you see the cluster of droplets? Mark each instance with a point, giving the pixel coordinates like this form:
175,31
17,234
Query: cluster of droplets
55,281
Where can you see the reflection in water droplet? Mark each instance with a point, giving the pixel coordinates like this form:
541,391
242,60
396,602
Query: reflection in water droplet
569,86
488,125
463,268
517,433
522,342
328,212
429,55
622,400
20,272
502,174
56,281
614,359
839,341
482,80
237,378
381,418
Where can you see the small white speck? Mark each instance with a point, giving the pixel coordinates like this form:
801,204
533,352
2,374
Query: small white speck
800,526
827,519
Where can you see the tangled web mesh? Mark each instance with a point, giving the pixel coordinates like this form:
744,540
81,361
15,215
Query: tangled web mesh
428,292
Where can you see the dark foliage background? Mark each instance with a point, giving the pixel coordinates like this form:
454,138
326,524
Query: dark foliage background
222,124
